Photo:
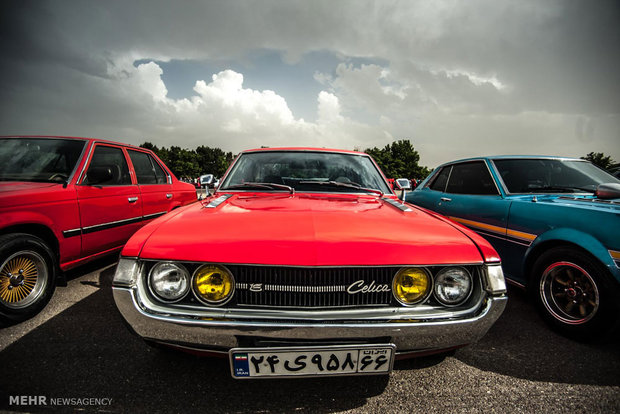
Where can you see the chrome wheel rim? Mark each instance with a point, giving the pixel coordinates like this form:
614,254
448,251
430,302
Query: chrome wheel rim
23,278
569,293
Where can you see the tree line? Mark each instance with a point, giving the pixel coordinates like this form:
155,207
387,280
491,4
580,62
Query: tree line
186,163
397,160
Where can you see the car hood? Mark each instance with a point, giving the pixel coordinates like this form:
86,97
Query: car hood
305,230
587,202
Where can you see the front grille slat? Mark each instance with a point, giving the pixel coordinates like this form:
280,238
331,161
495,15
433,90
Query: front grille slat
293,287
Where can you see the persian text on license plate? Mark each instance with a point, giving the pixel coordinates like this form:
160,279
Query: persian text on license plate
311,361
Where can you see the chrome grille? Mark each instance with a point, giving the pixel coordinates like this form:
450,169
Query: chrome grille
293,287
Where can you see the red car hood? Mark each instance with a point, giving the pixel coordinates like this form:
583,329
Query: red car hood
304,230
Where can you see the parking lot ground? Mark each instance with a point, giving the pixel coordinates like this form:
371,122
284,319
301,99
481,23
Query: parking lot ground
79,356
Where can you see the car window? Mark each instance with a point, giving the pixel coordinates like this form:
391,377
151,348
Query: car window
147,169
110,158
307,171
440,180
38,159
556,175
471,178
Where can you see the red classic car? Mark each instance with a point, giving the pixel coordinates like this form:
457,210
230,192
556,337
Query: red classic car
310,266
65,201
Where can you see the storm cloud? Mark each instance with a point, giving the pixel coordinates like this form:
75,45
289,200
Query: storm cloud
457,78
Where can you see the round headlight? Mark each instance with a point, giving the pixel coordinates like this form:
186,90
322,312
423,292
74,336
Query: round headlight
169,281
453,286
213,284
411,285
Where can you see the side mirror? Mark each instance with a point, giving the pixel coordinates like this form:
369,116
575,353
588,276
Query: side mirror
608,191
402,184
99,175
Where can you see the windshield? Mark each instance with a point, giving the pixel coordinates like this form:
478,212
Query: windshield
551,175
38,159
305,171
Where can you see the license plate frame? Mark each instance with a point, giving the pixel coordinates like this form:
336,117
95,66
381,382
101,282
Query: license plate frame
303,362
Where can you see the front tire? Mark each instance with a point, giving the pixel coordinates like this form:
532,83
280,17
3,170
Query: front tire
27,276
575,293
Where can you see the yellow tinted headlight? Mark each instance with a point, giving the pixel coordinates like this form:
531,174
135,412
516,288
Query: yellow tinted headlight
213,284
411,285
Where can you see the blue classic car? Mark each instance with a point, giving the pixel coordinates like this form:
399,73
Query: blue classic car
555,223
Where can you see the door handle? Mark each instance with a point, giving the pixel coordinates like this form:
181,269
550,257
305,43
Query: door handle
132,199
446,199
169,195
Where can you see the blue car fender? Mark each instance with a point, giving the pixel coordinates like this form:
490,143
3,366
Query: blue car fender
564,236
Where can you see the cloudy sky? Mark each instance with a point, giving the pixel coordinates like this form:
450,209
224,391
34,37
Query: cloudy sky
457,78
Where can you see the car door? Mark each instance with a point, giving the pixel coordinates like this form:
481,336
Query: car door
109,201
471,197
154,183
428,195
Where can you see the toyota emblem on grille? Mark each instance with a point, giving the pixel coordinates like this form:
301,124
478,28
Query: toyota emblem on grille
361,287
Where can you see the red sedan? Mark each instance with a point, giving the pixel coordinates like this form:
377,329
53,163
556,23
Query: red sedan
65,201
310,266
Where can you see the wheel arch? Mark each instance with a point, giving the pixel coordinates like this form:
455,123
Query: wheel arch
38,230
567,238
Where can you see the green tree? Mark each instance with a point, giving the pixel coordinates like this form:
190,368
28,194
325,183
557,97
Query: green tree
399,160
213,160
192,163
599,159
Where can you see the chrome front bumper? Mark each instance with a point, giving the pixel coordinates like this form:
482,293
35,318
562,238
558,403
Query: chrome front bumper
221,330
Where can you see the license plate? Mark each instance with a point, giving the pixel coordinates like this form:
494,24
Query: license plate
311,361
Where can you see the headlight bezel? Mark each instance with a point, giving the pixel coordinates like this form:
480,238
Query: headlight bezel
424,297
437,284
205,301
153,291
127,272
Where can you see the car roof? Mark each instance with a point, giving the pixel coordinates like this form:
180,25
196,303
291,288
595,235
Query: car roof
102,141
301,149
514,157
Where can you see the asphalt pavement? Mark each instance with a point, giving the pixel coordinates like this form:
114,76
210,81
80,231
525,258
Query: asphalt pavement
77,355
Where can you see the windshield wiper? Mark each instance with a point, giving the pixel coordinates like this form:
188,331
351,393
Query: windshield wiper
269,186
352,185
561,188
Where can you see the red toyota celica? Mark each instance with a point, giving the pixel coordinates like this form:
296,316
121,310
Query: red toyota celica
305,263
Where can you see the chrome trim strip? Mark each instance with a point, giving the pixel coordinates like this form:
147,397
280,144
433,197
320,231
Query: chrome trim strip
110,225
218,201
154,215
222,330
326,266
77,163
86,161
420,311
514,282
291,288
72,232
400,206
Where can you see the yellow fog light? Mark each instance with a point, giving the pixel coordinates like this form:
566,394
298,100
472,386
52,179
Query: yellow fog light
213,284
412,285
